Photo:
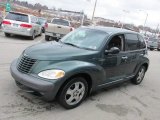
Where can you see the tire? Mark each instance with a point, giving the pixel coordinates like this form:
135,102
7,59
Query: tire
47,38
7,34
71,96
139,76
158,49
43,30
33,36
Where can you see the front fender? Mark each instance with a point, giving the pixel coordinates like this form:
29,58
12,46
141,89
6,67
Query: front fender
74,67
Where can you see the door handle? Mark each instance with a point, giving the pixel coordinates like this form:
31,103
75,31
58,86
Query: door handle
124,57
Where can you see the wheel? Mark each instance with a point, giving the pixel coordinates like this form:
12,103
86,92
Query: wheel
33,36
158,49
43,30
47,38
139,77
7,34
73,93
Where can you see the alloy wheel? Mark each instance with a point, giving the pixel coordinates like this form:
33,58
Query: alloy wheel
75,93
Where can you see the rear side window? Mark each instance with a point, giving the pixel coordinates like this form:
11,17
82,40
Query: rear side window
17,17
142,44
60,22
34,19
132,42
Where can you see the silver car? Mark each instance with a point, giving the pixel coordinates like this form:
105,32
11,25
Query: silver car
21,24
152,43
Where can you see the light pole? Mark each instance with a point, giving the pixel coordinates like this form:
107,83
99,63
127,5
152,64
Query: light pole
94,10
82,22
145,20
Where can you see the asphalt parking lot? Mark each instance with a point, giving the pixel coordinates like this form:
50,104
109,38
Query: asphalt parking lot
123,102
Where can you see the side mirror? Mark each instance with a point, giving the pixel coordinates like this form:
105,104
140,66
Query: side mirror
113,50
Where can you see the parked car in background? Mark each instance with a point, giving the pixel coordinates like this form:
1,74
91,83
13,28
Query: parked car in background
57,29
21,24
43,23
1,19
86,60
158,46
152,43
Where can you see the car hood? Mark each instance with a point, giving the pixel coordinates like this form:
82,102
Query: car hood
57,51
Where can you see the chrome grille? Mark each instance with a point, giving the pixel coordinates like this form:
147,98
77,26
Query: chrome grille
25,64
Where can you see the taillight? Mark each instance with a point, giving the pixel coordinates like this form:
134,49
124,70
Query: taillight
71,29
26,26
6,22
46,25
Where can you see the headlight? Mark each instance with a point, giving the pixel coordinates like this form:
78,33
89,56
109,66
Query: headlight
52,74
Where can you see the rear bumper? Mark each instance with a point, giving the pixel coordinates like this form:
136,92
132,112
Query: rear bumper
55,35
16,31
30,83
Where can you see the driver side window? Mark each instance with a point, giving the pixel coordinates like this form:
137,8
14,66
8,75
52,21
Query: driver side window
117,41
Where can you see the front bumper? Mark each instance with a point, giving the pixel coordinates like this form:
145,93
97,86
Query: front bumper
47,89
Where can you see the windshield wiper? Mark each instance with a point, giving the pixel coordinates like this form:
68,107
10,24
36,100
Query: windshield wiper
76,46
71,44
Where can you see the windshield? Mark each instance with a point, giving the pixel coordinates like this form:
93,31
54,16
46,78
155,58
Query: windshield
85,38
60,22
17,17
42,21
153,40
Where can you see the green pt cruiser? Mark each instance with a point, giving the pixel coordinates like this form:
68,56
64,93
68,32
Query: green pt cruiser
85,60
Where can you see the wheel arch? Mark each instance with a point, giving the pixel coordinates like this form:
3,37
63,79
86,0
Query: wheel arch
86,76
145,65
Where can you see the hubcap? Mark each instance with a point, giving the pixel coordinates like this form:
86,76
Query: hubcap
75,93
140,75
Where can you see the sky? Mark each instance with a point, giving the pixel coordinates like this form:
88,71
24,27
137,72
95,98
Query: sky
128,11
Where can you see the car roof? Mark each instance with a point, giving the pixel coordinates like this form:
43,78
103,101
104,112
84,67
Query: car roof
21,13
111,30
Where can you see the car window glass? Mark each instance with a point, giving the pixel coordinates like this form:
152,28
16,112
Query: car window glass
86,38
142,42
33,19
153,39
17,17
60,22
132,42
117,41
42,21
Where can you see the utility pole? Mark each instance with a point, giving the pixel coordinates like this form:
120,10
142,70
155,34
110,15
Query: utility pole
82,22
94,10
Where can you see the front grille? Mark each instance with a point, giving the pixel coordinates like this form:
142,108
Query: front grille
25,64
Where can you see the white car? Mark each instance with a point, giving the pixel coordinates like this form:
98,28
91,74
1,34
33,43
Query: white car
21,24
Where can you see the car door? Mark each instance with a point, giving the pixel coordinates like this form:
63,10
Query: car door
132,53
115,64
